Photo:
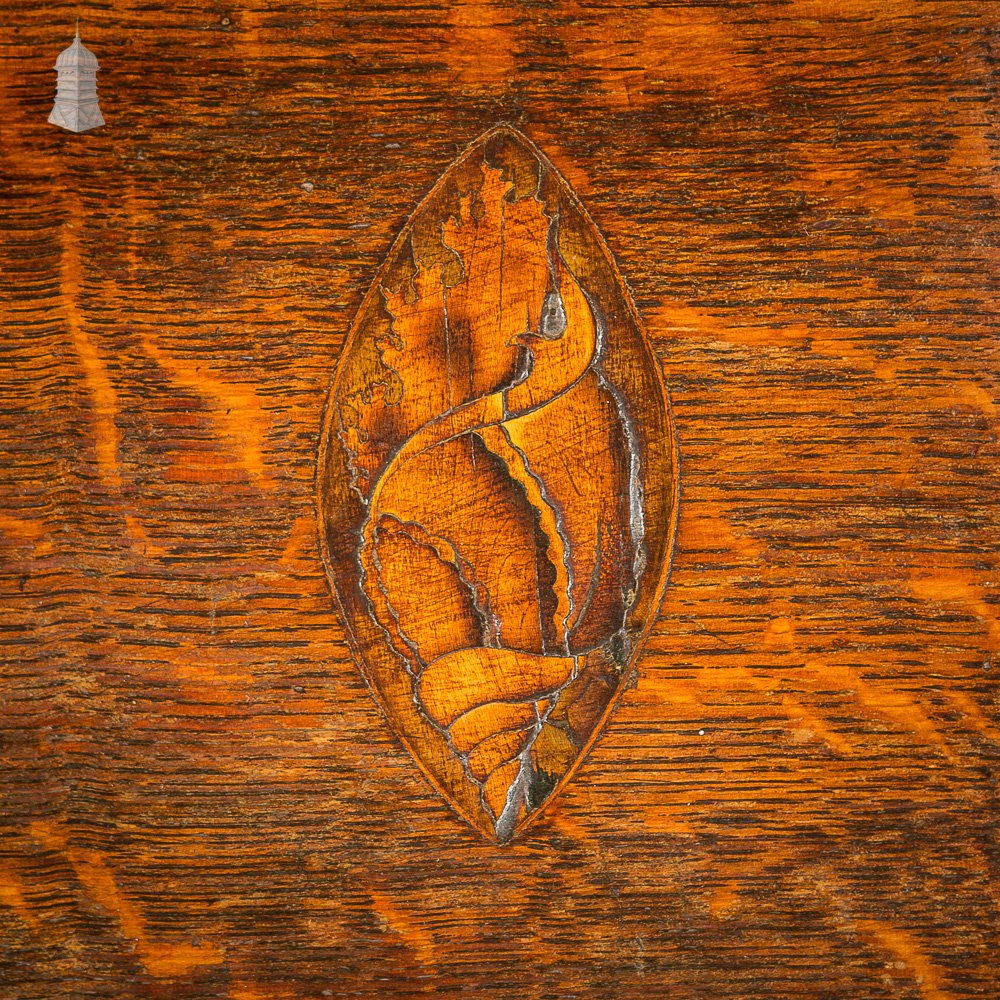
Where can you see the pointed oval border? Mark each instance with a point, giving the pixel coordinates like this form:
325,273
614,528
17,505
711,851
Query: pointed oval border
673,493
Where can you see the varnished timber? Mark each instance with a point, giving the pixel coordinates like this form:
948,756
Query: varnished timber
798,796
498,484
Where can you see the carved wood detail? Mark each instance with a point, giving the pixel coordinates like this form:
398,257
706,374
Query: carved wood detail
497,483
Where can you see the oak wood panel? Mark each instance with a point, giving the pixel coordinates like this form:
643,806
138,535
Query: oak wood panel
797,798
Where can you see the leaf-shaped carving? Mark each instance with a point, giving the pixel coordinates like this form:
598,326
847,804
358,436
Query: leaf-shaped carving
497,484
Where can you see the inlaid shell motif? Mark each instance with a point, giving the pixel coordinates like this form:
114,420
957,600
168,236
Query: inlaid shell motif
497,484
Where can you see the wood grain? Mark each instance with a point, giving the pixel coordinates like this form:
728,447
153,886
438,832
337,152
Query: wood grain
797,799
497,486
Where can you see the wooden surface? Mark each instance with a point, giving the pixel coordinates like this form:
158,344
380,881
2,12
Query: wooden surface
497,484
798,798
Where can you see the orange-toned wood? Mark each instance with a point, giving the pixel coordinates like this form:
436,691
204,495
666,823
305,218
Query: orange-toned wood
797,796
497,484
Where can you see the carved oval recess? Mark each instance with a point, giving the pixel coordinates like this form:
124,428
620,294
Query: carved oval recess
497,484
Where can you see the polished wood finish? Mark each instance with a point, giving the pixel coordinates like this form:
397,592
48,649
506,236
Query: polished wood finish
497,484
797,798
